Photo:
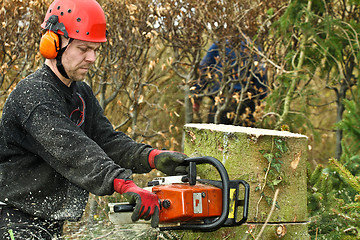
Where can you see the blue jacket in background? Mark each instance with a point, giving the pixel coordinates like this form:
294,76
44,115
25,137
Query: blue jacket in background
210,62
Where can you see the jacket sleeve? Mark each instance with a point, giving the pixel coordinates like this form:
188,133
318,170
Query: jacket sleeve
67,149
118,146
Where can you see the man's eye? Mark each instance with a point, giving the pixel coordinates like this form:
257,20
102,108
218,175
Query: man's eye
83,49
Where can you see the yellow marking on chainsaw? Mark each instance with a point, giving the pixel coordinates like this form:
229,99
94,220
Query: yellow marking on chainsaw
232,203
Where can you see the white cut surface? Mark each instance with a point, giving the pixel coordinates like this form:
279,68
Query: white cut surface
247,130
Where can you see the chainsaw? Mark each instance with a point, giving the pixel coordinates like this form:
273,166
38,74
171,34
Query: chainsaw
190,203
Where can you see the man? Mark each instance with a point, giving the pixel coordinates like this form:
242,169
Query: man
56,145
237,65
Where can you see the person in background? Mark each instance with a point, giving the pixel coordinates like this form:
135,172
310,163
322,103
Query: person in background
56,145
213,71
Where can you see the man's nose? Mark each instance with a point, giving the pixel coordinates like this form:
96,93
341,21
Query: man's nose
91,56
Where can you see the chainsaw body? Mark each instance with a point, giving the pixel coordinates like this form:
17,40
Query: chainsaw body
186,203
189,203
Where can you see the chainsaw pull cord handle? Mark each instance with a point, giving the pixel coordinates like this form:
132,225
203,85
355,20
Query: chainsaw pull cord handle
225,195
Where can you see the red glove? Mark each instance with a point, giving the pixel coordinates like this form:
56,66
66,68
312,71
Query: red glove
168,162
147,203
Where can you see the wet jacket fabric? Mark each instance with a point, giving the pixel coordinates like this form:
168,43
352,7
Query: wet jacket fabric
56,146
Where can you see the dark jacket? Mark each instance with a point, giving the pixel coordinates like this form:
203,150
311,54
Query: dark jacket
49,161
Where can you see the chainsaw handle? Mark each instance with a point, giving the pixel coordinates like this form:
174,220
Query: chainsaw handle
246,202
234,185
124,207
128,207
225,195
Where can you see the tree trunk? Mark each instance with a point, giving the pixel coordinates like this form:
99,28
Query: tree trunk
188,105
268,160
341,95
92,209
92,198
188,111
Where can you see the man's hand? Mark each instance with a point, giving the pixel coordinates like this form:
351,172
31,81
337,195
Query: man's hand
147,203
168,162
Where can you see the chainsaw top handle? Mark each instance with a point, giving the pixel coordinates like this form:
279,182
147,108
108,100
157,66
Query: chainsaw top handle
225,194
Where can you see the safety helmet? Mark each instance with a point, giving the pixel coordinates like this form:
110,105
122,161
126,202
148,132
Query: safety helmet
77,19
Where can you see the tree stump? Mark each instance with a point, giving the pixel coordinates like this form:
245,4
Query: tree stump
268,160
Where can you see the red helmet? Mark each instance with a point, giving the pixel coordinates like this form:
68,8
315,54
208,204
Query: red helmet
82,19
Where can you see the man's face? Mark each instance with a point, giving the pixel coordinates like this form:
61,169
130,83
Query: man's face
78,57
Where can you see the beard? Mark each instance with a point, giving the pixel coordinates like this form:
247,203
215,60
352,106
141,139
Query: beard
78,74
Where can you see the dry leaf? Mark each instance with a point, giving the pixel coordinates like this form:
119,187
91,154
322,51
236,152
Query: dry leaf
249,95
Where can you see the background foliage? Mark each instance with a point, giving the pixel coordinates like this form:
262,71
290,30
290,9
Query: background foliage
144,75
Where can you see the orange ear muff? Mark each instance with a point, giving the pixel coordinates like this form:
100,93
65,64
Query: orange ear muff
49,45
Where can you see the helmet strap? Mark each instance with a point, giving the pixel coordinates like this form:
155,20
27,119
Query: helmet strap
59,64
54,25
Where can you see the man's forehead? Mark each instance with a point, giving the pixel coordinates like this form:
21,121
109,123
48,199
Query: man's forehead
87,44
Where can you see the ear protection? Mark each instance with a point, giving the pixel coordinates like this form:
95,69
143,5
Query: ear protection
49,45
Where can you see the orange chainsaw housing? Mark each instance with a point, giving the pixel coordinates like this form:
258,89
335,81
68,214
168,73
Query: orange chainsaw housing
187,203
